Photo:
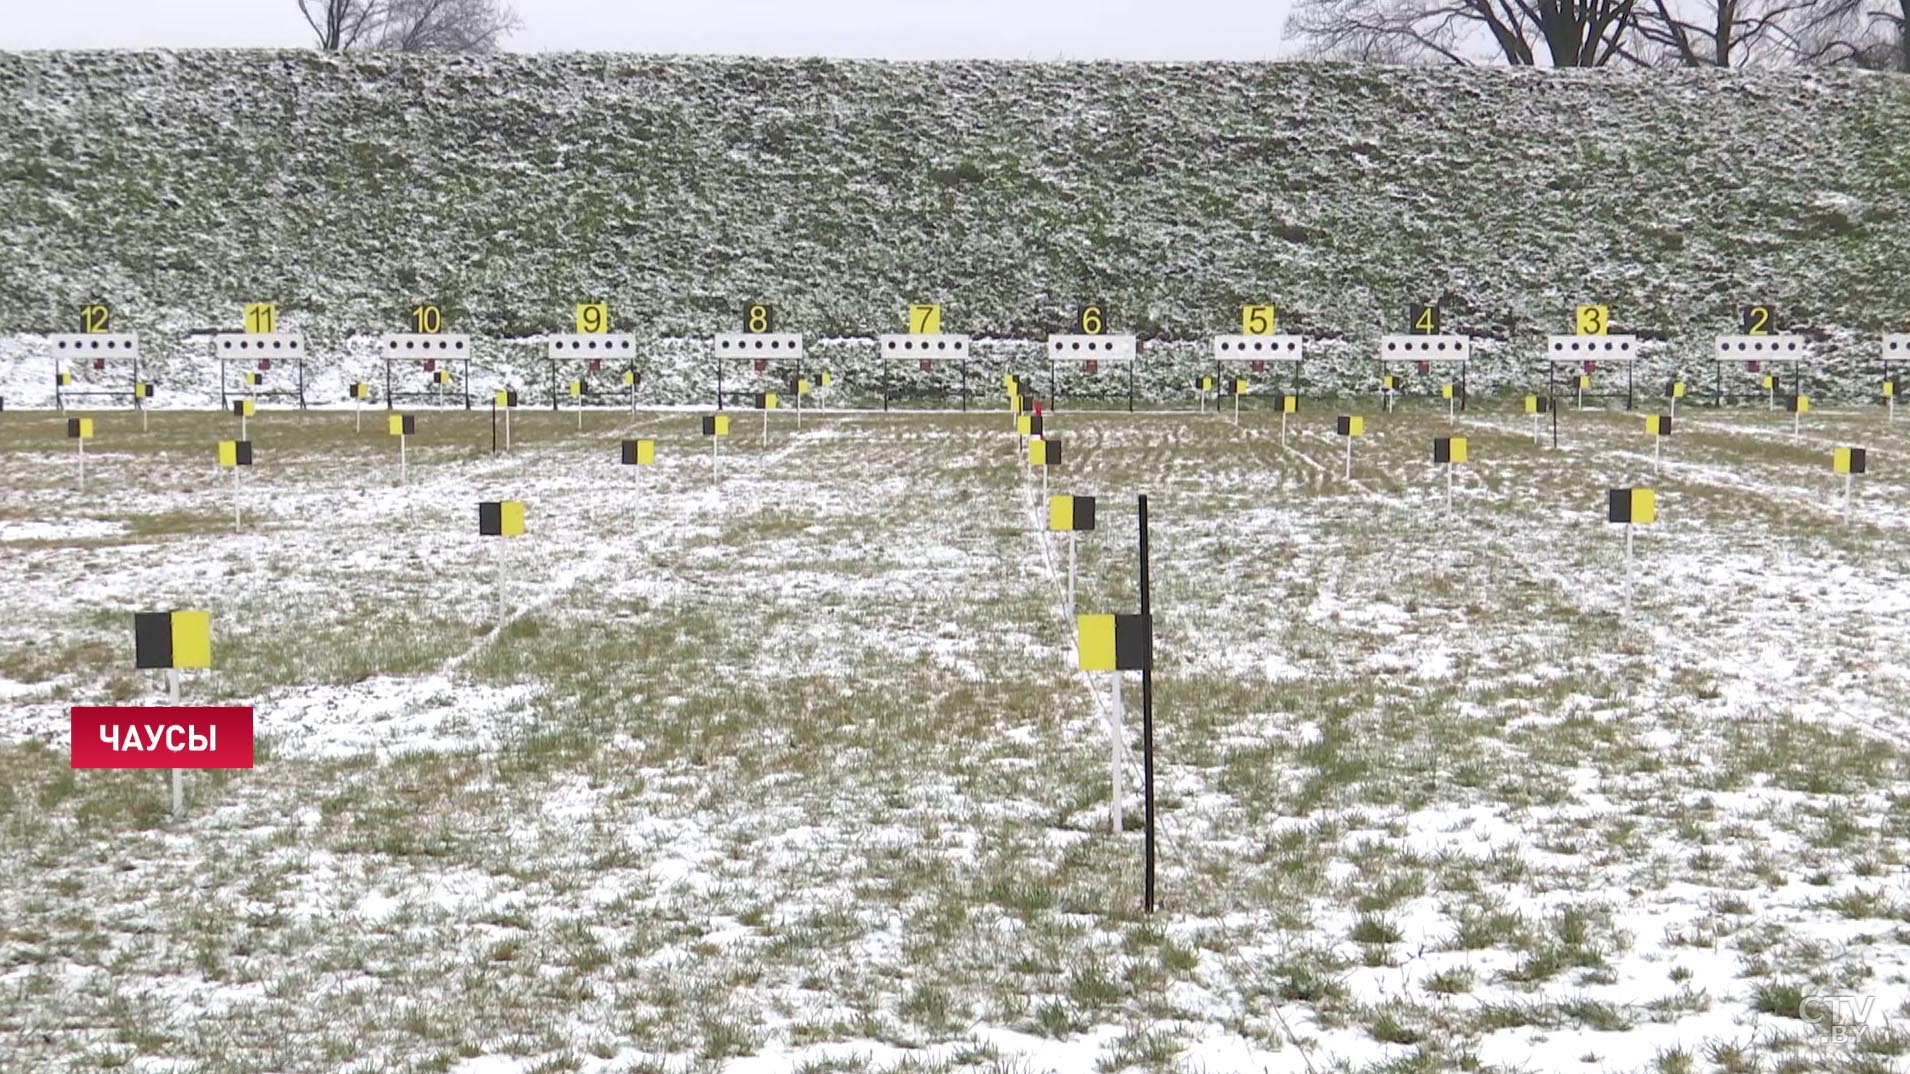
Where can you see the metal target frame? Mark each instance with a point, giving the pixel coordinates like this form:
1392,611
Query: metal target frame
98,349
765,353
1754,351
1589,349
268,348
408,347
1427,350
1257,352
1085,350
599,347
928,349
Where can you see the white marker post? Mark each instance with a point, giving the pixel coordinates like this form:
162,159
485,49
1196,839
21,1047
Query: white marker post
1116,738
178,778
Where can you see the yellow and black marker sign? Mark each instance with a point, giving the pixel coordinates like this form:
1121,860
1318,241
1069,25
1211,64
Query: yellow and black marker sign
505,397
402,425
1011,384
1071,513
1204,384
1675,389
360,390
1240,386
1028,424
765,400
716,425
172,639
1538,404
235,453
629,378
1389,382
1114,642
1849,460
802,386
1044,452
253,380
1800,404
1890,389
1584,381
1657,425
143,390
826,379
1592,320
61,380
1289,404
1769,381
1449,450
1445,390
576,388
244,408
501,518
1636,507
1350,426
442,376
639,452
79,428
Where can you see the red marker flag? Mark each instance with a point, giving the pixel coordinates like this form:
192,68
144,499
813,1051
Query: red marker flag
172,736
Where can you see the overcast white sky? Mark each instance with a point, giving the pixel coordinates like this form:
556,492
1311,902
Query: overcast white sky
892,29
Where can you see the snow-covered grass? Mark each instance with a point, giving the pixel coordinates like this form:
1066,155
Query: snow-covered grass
792,770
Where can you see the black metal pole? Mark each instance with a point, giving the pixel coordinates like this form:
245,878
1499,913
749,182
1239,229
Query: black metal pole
1717,384
1147,714
388,403
885,385
223,404
1551,399
1630,368
464,376
1051,395
493,424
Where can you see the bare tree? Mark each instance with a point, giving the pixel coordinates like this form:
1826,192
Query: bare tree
410,25
1721,33
1567,33
1859,33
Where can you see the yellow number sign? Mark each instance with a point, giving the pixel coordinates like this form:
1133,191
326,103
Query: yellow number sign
261,318
427,319
593,318
1593,320
1257,320
97,317
1092,321
925,319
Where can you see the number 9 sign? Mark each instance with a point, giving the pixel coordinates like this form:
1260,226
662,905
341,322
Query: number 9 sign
593,318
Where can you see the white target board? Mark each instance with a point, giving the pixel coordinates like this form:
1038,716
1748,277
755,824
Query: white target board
91,345
759,345
423,345
1077,348
1425,348
922,345
258,345
1896,347
1752,348
1591,348
1258,348
617,345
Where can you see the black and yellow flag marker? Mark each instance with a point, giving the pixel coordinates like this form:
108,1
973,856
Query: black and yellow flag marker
639,452
765,400
1849,460
360,390
235,453
1538,404
1657,425
629,378
143,390
501,518
505,397
1675,389
1044,452
172,639
576,388
402,425
802,386
1203,384
716,425
1349,426
825,379
1114,642
244,408
1028,424
1445,390
61,380
79,428
1288,404
1633,507
1449,450
1800,404
1389,382
442,376
253,380
1890,389
1070,513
